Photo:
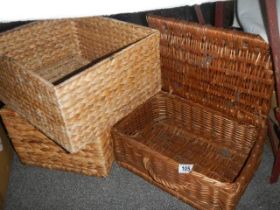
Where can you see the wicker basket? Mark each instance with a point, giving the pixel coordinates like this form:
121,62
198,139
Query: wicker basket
217,87
73,79
34,148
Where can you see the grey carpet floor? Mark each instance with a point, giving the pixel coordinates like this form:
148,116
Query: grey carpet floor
38,188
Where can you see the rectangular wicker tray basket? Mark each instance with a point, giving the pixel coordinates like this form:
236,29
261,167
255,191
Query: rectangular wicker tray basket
73,79
35,148
217,86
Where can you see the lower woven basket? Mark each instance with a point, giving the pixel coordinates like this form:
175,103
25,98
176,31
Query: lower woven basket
34,148
167,131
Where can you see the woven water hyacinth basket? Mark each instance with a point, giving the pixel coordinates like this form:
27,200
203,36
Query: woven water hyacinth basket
211,115
73,79
35,148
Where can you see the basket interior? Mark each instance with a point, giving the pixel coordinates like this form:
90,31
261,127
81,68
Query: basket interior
56,50
190,134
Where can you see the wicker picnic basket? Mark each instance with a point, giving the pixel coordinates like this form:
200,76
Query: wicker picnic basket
73,79
217,86
35,148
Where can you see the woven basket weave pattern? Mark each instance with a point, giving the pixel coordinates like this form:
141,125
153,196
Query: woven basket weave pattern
73,79
198,190
107,103
211,113
224,70
34,148
179,130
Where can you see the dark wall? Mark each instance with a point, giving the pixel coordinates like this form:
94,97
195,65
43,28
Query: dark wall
11,25
185,13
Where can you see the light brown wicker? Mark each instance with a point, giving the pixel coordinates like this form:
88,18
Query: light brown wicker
73,79
212,114
34,148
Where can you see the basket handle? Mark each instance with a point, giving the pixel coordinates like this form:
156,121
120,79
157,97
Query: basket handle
146,163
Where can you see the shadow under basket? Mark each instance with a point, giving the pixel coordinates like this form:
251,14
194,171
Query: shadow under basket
34,148
211,114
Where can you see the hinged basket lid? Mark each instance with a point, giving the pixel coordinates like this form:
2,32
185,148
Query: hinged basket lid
226,70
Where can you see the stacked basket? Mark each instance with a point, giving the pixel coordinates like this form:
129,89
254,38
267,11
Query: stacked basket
72,80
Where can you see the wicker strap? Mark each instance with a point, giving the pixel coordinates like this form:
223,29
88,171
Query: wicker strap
146,163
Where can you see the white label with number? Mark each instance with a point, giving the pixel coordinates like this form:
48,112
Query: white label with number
185,168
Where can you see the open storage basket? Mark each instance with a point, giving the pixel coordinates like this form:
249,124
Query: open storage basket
74,78
35,148
217,86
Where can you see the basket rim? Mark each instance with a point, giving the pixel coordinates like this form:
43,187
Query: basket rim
162,93
211,28
84,68
104,59
30,23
